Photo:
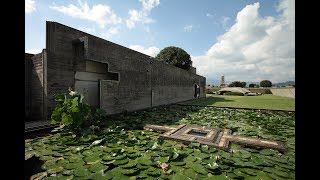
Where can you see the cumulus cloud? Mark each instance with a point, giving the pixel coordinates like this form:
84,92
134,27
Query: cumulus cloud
100,14
29,6
224,21
141,16
254,48
34,51
112,31
188,28
151,51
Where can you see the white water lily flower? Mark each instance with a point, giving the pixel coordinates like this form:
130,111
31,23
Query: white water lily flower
155,145
97,142
73,93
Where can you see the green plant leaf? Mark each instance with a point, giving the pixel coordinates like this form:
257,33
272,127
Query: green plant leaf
98,167
179,176
81,172
267,152
199,169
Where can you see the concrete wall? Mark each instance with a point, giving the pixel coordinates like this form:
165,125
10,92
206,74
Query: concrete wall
285,92
36,89
129,80
27,84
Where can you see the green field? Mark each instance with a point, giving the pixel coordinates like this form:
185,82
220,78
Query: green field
266,101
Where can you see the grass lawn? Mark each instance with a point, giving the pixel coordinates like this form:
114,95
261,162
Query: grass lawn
120,149
266,101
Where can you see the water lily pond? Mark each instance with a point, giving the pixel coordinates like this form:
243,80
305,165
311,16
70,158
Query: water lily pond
120,149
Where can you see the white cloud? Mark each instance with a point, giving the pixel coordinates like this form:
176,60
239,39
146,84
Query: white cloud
111,32
151,51
141,16
29,6
34,51
254,48
188,28
149,4
100,14
224,21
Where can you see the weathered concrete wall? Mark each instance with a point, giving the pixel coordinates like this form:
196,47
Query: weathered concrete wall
36,90
285,92
127,80
171,84
193,70
27,84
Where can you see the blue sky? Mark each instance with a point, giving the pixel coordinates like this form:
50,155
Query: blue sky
245,40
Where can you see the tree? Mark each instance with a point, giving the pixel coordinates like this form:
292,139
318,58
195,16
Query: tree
265,83
237,84
251,85
243,84
175,56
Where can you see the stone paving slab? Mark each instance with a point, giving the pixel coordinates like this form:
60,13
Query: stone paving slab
213,137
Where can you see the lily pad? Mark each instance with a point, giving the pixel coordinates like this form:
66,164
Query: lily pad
144,161
81,172
70,166
98,167
129,172
267,152
190,173
92,159
55,170
154,173
131,164
163,159
120,162
199,169
179,176
194,145
178,163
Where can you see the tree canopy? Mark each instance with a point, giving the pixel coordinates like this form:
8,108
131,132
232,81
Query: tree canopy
175,56
237,84
265,83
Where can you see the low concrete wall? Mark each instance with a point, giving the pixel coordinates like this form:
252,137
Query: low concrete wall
285,92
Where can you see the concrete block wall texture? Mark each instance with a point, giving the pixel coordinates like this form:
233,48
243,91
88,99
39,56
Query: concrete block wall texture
36,88
116,78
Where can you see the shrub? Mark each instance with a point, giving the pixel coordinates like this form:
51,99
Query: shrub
234,93
74,114
209,91
267,91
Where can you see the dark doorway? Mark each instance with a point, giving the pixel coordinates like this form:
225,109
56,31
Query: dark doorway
196,91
